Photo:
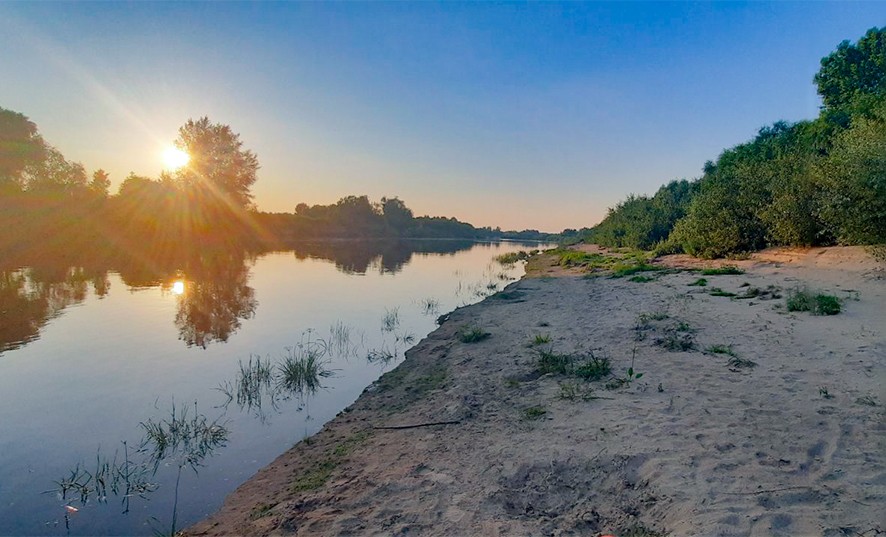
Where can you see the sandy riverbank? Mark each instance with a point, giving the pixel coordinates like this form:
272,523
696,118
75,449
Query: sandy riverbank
795,445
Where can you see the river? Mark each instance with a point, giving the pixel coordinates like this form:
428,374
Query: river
95,354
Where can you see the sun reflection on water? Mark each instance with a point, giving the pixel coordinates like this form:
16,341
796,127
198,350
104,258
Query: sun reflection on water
178,287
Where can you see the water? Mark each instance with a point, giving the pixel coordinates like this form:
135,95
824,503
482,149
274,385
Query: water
88,354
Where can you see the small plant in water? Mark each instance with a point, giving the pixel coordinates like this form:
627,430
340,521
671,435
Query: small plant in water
823,391
430,306
701,282
391,320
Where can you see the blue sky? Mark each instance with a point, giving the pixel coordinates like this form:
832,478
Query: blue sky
521,115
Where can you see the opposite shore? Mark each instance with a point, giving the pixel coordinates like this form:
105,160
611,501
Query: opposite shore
722,413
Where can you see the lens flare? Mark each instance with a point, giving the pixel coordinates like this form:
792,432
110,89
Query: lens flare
174,158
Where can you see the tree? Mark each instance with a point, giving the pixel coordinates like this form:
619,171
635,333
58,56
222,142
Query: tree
55,175
100,184
853,71
396,213
220,172
20,146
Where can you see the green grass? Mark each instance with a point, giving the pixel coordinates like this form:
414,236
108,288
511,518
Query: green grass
620,270
641,279
534,413
592,368
513,257
815,303
724,270
677,342
317,476
299,372
551,362
472,334
716,291
260,510
587,367
721,349
540,339
701,282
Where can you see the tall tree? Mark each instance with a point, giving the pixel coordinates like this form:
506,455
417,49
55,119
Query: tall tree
853,71
219,170
20,146
100,184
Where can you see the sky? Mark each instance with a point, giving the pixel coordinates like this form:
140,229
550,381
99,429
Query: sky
518,115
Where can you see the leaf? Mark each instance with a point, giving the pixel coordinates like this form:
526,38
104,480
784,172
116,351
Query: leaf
639,375
631,372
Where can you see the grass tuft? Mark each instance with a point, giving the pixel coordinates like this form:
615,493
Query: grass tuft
815,303
534,413
724,270
472,334
721,349
701,282
716,291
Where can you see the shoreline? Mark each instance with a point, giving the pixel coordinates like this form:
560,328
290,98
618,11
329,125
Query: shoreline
695,446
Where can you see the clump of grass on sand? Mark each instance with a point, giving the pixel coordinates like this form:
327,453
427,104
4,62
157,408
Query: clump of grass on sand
815,303
588,367
534,413
716,291
472,334
540,339
721,271
721,349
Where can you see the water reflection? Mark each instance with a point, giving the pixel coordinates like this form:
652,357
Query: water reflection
214,300
210,286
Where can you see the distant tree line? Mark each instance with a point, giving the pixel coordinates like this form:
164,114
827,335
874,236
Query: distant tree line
818,182
46,198
358,217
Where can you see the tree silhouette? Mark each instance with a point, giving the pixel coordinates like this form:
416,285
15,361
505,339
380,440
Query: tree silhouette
220,171
20,146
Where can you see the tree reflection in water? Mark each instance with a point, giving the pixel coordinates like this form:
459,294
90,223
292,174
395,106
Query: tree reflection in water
38,282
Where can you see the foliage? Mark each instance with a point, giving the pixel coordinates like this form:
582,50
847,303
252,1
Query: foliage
854,70
20,147
809,183
816,303
719,271
472,334
220,172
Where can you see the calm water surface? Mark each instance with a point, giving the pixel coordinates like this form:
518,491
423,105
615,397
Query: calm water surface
88,354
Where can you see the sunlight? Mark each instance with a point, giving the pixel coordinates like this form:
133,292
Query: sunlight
178,287
174,158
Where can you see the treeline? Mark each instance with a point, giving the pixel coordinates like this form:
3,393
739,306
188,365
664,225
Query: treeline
208,202
810,183
358,217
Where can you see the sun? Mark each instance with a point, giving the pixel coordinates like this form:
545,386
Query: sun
174,158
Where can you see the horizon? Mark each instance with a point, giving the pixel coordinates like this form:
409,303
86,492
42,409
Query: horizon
480,112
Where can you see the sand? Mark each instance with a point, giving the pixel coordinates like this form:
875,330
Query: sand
795,445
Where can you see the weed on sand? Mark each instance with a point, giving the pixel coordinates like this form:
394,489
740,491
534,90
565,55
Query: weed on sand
815,303
472,334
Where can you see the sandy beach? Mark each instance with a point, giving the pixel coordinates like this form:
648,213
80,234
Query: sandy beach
739,417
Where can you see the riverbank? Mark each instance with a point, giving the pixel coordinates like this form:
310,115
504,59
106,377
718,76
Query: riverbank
747,419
